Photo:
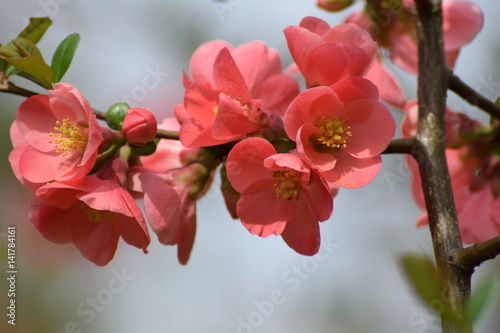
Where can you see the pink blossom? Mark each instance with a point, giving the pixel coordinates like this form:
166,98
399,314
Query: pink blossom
474,174
233,92
170,181
92,213
57,131
139,126
371,67
295,196
325,55
462,20
340,130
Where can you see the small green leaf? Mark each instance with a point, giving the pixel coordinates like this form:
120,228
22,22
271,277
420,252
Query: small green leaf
423,276
36,28
20,48
34,69
64,55
481,297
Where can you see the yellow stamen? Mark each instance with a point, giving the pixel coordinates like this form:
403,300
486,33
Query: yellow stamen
332,132
73,138
287,184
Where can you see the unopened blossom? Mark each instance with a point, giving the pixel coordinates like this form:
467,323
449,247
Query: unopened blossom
334,5
341,130
139,126
56,137
280,194
92,213
233,93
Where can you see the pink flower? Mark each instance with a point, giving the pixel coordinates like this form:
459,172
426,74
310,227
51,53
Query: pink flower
170,181
233,93
395,30
326,55
57,131
295,196
474,174
139,126
91,213
340,130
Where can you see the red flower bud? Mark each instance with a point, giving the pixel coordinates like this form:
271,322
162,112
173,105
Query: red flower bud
139,126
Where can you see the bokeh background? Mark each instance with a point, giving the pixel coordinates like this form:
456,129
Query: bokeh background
234,282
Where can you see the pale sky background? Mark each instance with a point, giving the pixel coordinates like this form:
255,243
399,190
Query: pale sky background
353,285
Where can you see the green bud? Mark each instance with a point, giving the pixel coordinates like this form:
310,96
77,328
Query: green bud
148,149
115,115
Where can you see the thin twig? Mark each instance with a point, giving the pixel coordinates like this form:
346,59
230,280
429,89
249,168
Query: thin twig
472,96
476,254
400,146
11,88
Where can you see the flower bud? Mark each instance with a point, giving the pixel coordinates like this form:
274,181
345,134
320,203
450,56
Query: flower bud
115,115
139,126
334,5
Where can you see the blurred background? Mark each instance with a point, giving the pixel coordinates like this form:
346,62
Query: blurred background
234,282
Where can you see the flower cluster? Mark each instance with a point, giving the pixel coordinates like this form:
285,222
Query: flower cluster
283,154
473,158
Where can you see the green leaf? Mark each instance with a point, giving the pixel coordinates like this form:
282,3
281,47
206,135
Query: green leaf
64,55
20,48
423,276
481,298
36,28
34,69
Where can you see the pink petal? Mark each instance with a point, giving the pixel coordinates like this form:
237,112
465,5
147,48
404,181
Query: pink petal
161,204
354,88
277,92
302,231
55,166
320,199
404,52
100,244
35,121
228,77
352,34
388,86
244,164
314,24
324,160
351,172
203,59
300,42
372,127
329,63
233,121
462,21
67,102
256,62
187,231
269,221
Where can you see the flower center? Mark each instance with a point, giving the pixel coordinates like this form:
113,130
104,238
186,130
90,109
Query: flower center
72,138
95,215
332,132
287,183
